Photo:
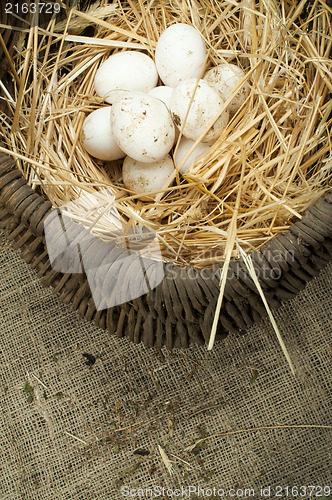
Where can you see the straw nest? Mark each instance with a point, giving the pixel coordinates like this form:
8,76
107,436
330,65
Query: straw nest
272,161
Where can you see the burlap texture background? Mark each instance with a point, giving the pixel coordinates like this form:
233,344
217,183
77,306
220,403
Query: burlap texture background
74,435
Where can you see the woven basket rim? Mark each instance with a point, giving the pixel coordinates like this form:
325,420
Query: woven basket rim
180,310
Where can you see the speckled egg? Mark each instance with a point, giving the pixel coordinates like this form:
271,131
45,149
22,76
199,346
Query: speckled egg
142,127
206,105
143,177
224,78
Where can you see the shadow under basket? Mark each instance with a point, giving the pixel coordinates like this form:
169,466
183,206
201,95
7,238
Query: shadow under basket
180,310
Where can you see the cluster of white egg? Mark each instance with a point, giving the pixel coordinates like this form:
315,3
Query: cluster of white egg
143,120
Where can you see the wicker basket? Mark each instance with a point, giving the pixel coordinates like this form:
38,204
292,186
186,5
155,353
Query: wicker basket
180,310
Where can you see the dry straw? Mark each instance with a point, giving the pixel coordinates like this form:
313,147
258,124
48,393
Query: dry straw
268,166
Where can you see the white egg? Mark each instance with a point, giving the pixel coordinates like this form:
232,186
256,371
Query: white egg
143,177
225,77
180,54
162,92
207,103
184,146
97,135
142,127
128,70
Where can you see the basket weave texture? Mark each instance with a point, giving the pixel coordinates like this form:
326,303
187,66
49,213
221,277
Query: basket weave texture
180,310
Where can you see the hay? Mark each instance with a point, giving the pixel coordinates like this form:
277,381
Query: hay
280,138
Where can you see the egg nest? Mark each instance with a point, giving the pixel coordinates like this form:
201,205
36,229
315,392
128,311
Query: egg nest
271,162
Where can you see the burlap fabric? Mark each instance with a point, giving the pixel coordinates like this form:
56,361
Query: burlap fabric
83,413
